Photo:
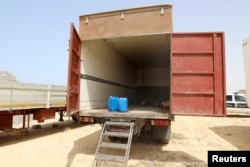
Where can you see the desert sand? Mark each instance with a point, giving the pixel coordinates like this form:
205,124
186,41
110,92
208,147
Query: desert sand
73,144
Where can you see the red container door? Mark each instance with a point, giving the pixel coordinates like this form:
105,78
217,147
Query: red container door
73,88
198,74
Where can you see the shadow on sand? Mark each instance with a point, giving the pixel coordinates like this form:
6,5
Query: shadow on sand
238,136
45,130
141,149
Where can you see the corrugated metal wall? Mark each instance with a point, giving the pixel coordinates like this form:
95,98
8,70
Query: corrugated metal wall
198,74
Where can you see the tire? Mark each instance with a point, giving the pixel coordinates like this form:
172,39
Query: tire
75,117
165,141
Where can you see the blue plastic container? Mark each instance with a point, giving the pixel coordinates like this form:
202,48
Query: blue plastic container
123,104
113,103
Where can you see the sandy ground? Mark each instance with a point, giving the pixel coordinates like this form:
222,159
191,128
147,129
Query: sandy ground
73,144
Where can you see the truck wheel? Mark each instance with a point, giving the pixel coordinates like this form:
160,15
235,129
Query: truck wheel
165,141
75,117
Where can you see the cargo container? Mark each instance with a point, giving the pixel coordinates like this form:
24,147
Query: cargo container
246,54
134,53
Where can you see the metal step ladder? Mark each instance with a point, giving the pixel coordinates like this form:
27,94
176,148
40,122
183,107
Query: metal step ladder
124,131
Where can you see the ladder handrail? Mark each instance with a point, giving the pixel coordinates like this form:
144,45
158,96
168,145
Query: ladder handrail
99,142
129,144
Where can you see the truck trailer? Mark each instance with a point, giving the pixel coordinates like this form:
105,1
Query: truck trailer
21,102
134,53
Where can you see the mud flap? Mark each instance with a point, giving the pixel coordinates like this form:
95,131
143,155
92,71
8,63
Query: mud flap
162,133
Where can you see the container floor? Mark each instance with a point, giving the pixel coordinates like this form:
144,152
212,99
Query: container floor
134,111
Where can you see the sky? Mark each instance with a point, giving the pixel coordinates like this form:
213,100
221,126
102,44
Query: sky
34,34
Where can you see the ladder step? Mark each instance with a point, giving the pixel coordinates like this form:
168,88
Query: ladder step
116,134
119,123
110,158
116,129
113,145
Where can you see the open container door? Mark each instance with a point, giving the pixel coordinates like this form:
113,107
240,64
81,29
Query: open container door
73,88
198,74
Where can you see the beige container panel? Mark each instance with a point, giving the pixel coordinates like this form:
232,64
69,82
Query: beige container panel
17,95
95,94
246,52
153,77
102,61
139,21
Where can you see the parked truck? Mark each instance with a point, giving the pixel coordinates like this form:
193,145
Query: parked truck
246,54
134,53
22,102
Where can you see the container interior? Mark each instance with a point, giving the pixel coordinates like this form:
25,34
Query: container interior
136,67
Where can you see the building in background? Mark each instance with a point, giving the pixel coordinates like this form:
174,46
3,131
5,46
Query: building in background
246,53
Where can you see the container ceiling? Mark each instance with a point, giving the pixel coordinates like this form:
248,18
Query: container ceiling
145,51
